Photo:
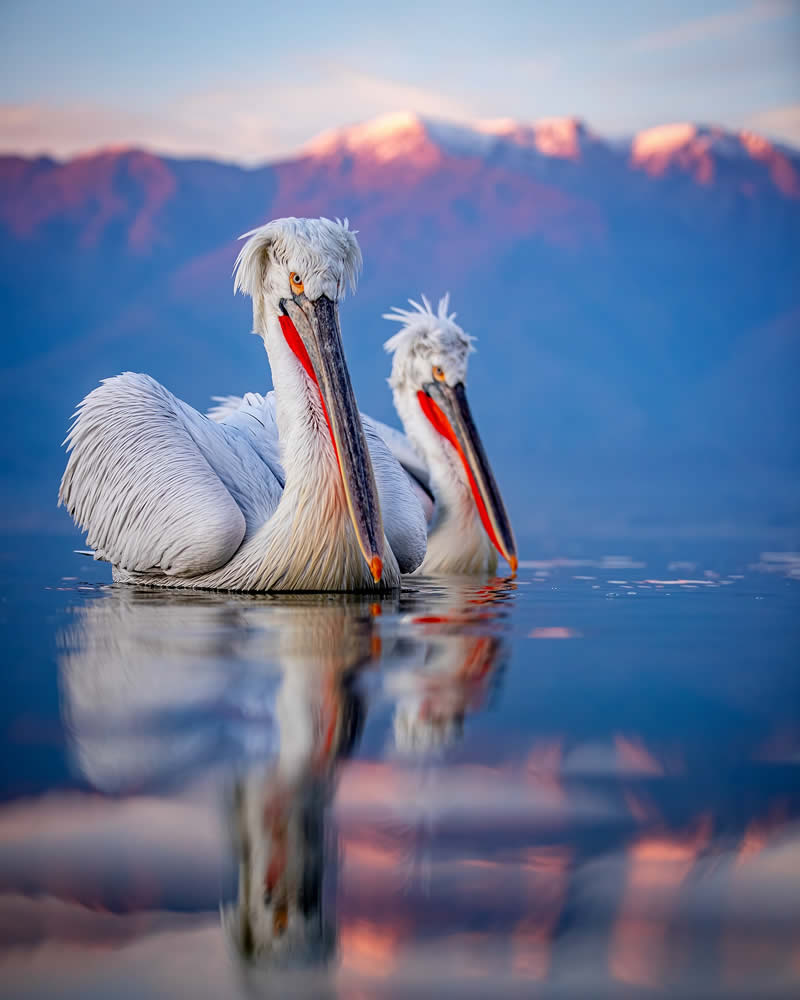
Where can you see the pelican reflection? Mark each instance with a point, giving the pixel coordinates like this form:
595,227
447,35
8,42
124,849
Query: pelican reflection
261,701
283,836
462,652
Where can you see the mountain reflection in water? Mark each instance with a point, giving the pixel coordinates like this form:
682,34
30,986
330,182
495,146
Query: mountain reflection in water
327,796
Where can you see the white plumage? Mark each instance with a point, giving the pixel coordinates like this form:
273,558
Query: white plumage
404,518
268,498
392,457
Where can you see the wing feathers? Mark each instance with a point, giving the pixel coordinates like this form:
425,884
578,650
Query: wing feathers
140,487
413,464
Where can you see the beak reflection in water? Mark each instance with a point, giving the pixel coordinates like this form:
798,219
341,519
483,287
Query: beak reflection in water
312,331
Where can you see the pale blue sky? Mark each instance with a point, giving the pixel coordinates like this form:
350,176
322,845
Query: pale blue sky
251,81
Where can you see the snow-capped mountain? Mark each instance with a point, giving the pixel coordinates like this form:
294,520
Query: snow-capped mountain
636,301
680,146
701,152
406,135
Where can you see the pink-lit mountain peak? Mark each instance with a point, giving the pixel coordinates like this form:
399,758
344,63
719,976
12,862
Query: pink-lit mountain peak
564,138
408,135
400,135
683,147
697,149
668,143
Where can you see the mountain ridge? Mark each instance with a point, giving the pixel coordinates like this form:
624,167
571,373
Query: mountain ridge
552,136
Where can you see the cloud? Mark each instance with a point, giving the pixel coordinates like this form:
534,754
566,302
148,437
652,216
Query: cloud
245,124
713,26
66,130
387,95
780,123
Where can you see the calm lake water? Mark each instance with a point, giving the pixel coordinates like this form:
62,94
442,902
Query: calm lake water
583,782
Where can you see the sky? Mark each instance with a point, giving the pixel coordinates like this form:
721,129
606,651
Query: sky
251,82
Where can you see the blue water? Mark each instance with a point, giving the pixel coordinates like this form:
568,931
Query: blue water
582,782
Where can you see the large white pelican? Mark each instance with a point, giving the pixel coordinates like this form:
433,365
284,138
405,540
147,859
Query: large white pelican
443,451
280,498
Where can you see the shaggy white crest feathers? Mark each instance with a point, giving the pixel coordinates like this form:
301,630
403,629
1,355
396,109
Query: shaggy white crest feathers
424,333
308,246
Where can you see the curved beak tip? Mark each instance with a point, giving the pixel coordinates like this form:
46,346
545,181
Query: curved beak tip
376,568
513,563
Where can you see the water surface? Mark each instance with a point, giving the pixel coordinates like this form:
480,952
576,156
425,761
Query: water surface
582,782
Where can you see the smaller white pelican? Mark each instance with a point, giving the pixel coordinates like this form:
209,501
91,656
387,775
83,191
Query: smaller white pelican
443,453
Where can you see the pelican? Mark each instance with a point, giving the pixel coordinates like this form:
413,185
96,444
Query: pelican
275,498
443,453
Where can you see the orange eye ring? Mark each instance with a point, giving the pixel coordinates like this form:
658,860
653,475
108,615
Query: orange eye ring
296,282
438,373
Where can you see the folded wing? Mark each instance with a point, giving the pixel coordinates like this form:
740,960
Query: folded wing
157,486
414,465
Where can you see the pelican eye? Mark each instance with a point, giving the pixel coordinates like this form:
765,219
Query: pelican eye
438,373
296,282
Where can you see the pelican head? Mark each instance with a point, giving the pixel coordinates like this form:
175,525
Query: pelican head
296,271
429,372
